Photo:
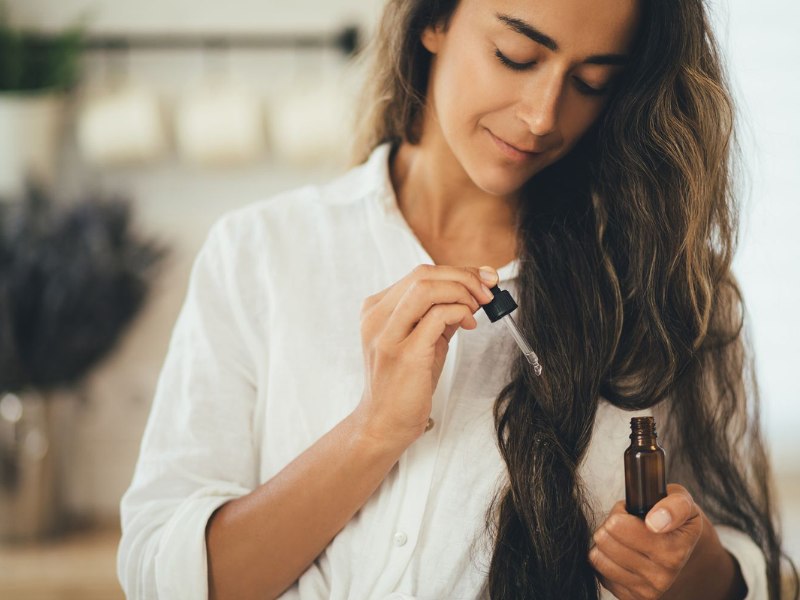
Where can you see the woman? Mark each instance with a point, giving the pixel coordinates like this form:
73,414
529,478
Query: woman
336,418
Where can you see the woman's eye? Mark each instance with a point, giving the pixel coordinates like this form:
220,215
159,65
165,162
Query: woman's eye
510,63
588,90
583,87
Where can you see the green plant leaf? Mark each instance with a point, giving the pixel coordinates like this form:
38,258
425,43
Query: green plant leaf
32,61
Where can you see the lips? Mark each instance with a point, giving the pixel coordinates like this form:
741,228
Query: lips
512,150
520,148
531,151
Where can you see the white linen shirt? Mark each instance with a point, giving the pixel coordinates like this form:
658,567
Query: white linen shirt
266,357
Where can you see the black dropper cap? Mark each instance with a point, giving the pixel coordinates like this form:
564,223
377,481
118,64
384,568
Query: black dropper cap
502,304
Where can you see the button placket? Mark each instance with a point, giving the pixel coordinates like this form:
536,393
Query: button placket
417,464
420,463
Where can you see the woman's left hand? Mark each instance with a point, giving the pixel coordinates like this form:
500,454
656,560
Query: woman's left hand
640,560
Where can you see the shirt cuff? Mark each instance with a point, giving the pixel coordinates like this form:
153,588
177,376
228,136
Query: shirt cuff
181,567
750,558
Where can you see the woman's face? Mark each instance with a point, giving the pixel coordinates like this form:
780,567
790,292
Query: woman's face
513,84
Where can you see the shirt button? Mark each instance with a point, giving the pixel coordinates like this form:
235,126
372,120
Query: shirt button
400,538
430,424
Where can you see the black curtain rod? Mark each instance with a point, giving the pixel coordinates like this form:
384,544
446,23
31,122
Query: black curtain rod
347,41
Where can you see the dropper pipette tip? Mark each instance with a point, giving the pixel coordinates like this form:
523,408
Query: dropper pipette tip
537,368
527,351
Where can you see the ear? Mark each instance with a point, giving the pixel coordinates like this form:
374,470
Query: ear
432,37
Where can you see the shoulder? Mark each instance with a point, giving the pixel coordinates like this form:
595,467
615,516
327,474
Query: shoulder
315,209
282,236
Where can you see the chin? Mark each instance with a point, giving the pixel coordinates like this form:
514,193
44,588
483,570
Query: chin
499,181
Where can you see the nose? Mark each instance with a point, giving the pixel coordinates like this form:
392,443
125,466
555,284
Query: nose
539,106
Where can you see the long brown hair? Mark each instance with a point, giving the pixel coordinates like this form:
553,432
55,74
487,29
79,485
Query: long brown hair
627,245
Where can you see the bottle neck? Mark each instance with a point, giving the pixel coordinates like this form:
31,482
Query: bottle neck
647,441
643,431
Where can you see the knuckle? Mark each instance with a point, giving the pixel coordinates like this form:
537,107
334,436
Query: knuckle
365,337
368,318
676,488
661,582
470,300
641,592
366,305
599,536
420,287
672,562
471,273
649,594
477,282
644,591
384,349
422,270
614,523
436,310
366,330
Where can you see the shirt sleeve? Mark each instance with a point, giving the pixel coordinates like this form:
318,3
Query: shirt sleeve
750,558
197,451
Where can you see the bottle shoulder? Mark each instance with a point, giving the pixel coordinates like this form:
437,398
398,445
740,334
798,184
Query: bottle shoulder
635,449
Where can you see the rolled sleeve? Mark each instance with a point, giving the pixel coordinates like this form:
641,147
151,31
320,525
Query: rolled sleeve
750,558
183,548
197,451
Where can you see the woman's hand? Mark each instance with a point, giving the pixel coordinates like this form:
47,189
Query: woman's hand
638,559
405,333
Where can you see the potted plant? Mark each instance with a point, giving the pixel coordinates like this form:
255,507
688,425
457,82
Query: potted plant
37,70
72,278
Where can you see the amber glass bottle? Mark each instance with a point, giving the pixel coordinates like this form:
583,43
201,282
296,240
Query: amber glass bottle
645,470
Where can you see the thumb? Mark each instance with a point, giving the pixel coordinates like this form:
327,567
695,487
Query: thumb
488,275
672,512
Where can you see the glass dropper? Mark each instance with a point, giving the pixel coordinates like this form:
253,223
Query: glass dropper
500,309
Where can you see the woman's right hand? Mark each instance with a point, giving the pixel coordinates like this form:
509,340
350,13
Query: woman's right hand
405,333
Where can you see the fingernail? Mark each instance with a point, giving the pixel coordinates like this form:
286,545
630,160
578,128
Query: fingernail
487,291
657,520
489,275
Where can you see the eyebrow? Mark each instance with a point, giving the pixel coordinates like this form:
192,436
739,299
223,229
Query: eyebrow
537,36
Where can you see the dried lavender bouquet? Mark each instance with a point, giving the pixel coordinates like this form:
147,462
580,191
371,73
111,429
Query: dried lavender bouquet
72,278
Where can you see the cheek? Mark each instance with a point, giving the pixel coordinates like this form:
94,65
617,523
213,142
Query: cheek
575,122
575,127
469,86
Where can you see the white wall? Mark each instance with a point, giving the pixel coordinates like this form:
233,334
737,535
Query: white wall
192,15
763,54
180,202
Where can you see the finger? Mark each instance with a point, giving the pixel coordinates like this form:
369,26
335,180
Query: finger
418,300
450,331
630,532
619,580
435,322
649,572
616,590
665,550
488,276
467,276
618,508
616,578
618,551
672,512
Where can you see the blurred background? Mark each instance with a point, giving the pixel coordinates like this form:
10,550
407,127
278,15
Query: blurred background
160,115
